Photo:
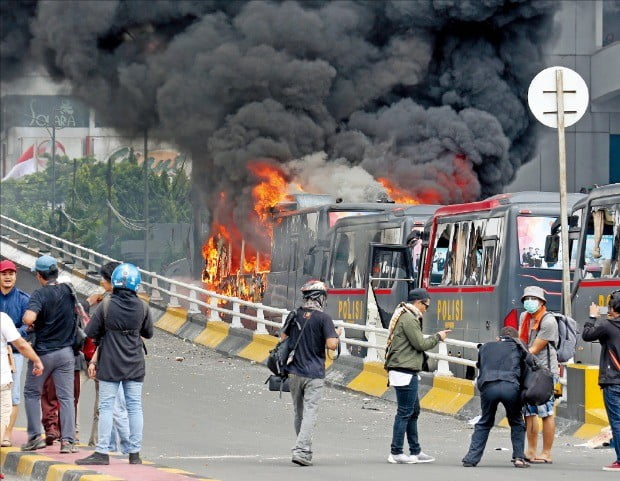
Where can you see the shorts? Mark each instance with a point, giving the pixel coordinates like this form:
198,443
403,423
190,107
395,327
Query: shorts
17,378
543,410
5,404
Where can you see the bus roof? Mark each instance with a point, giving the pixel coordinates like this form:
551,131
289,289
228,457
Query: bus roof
342,206
604,191
420,211
529,197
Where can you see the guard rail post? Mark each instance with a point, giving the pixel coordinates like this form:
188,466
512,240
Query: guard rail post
443,366
173,301
344,351
236,320
155,294
260,326
213,314
193,305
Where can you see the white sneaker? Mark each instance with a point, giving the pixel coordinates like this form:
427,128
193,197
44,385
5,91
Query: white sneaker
423,458
401,459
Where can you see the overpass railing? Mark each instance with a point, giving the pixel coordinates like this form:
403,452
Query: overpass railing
192,296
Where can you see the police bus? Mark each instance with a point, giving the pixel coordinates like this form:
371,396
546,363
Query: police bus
301,242
353,248
595,257
372,261
477,258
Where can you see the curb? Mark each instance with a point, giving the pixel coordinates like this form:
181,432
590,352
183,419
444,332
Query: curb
41,467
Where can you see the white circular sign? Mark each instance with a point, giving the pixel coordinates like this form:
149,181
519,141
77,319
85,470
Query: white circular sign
542,99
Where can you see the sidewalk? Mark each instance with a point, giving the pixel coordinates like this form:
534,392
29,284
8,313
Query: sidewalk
48,463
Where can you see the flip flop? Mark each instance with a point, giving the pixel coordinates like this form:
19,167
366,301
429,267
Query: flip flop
540,461
520,463
6,443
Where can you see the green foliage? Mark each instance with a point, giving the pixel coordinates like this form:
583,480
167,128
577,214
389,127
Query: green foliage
82,214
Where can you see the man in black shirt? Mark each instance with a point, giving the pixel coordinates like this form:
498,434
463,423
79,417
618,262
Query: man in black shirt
311,331
501,366
50,315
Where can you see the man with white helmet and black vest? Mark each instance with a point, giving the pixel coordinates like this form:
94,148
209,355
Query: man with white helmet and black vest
311,331
117,326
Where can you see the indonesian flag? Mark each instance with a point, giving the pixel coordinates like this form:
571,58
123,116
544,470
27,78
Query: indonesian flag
29,163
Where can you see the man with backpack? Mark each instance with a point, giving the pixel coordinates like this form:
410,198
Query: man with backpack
538,329
607,332
117,327
311,331
501,365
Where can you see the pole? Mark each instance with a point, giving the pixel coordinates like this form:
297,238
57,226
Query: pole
559,84
109,219
73,200
53,169
145,164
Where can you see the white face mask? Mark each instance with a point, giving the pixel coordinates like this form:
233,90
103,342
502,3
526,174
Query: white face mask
531,305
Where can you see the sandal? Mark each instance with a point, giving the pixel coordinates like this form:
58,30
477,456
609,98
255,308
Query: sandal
520,463
6,443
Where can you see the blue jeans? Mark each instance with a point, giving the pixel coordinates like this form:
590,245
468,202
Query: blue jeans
611,396
60,365
406,419
17,378
491,395
119,440
107,397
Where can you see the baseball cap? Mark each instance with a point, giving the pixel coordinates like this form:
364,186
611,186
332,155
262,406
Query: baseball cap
7,265
418,294
44,263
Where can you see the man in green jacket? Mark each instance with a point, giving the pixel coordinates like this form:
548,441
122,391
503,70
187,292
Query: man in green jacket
404,358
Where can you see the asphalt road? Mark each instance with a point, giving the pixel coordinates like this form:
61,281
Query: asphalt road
213,416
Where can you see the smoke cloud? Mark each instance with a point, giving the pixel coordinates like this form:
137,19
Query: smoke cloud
430,94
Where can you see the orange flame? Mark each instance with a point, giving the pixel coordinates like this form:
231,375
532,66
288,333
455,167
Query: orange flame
233,266
396,194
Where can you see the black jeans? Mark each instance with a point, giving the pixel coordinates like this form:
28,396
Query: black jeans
492,394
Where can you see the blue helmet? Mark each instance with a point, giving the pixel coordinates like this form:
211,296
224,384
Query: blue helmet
126,275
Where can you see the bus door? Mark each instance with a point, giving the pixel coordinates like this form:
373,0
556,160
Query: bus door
391,277
598,270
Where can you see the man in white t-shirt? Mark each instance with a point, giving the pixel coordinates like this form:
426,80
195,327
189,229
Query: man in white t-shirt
8,333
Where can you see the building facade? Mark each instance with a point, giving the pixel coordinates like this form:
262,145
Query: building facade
588,43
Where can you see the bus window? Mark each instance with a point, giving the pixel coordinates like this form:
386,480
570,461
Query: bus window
388,265
491,252
532,234
391,236
341,261
473,261
599,258
440,253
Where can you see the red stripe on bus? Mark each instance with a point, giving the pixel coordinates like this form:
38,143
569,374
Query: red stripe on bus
540,279
462,289
350,292
382,292
357,292
599,283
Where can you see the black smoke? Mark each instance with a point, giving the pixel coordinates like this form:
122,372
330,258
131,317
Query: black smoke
428,93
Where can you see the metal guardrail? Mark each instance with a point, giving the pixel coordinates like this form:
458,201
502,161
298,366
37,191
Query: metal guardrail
191,296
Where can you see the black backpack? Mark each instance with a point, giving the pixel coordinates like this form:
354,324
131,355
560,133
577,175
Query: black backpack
536,380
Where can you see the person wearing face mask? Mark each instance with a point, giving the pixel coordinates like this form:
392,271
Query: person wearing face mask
538,329
607,332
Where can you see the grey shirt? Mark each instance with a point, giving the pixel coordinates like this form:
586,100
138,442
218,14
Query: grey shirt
547,331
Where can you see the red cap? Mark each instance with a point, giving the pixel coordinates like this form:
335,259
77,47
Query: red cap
7,265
